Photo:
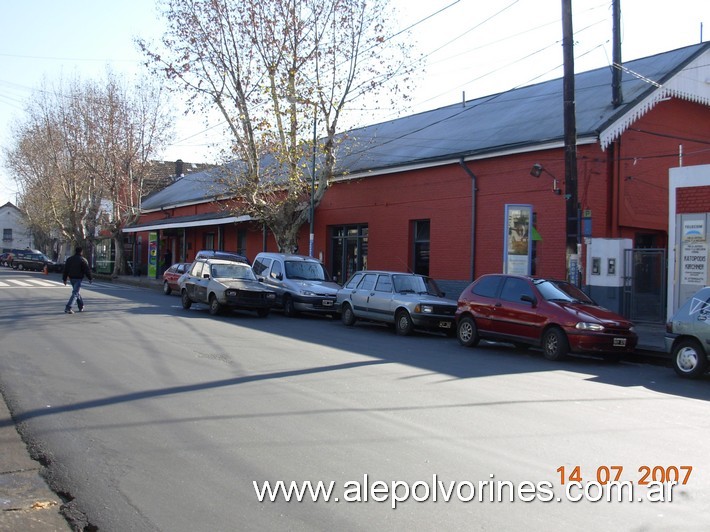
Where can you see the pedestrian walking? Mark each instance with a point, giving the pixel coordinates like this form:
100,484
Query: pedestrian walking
75,269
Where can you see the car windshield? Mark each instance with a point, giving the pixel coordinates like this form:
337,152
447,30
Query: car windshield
415,284
561,291
232,271
305,270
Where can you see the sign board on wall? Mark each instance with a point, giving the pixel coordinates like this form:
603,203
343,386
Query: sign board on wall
694,263
152,255
693,231
518,244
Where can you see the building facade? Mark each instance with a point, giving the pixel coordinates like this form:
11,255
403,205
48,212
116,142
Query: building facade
480,187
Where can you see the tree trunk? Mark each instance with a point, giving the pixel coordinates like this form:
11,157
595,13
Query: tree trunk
119,266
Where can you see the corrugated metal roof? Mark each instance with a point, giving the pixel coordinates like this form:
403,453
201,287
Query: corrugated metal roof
515,119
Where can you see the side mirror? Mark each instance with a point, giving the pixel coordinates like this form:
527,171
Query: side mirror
205,275
529,299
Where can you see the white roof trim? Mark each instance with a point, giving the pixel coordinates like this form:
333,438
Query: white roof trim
195,223
685,85
445,162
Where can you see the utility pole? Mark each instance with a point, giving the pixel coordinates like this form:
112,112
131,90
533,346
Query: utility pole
570,133
617,97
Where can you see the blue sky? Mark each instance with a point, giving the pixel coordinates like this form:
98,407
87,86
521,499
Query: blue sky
474,47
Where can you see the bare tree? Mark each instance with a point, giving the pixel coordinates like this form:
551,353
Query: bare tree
81,154
278,71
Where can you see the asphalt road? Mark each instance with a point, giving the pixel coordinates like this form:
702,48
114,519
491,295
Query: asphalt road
150,417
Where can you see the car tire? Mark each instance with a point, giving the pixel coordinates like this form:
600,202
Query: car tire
289,308
186,302
689,359
403,325
262,312
467,332
348,316
166,288
215,306
20,267
554,344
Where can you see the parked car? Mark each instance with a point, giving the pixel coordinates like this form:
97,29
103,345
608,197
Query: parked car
405,300
688,336
301,283
6,259
226,255
529,311
171,276
223,284
33,260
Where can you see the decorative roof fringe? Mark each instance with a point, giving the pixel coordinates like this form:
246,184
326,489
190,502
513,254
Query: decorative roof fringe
685,85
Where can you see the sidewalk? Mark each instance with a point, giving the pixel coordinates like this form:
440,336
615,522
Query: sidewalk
27,503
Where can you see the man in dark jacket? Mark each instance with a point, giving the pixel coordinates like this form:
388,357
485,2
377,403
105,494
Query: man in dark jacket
75,268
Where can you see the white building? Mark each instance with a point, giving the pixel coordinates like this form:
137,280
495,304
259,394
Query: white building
15,233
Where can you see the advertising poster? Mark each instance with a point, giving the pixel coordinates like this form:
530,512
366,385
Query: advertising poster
517,239
152,255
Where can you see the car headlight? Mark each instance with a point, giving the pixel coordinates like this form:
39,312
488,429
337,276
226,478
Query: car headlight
307,293
583,326
425,309
231,292
271,296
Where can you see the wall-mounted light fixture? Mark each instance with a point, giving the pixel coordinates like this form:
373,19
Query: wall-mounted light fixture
537,170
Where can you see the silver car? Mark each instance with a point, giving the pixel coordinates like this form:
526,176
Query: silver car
301,283
406,300
688,336
224,284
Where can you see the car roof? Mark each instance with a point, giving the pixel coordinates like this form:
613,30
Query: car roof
390,273
286,256
211,260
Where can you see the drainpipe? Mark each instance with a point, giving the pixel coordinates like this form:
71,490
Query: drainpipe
473,216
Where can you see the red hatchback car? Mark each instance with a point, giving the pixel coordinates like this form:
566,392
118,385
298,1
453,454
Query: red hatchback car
171,276
529,311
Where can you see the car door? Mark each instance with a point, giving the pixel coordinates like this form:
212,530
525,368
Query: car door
360,297
380,304
515,312
192,280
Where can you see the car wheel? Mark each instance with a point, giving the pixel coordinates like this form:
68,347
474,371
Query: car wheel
348,316
403,323
262,312
689,359
186,302
467,332
20,267
215,307
289,309
554,344
166,288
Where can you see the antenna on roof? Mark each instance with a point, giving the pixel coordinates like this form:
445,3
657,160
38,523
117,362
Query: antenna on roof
463,96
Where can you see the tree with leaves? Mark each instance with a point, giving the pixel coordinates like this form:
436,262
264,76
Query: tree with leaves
278,72
81,154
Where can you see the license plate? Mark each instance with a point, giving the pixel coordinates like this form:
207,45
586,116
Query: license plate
327,302
445,325
619,342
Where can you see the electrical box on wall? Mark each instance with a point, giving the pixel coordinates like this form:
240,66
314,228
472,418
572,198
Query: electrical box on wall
603,278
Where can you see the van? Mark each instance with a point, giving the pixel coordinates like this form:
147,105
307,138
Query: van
301,283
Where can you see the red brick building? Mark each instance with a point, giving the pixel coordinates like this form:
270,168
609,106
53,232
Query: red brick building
447,192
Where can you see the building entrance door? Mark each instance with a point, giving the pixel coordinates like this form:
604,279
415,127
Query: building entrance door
349,251
645,285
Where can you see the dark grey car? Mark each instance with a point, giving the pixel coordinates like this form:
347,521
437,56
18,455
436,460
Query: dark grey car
222,285
688,336
406,300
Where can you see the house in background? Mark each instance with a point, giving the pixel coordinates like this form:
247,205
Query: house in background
478,187
15,231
